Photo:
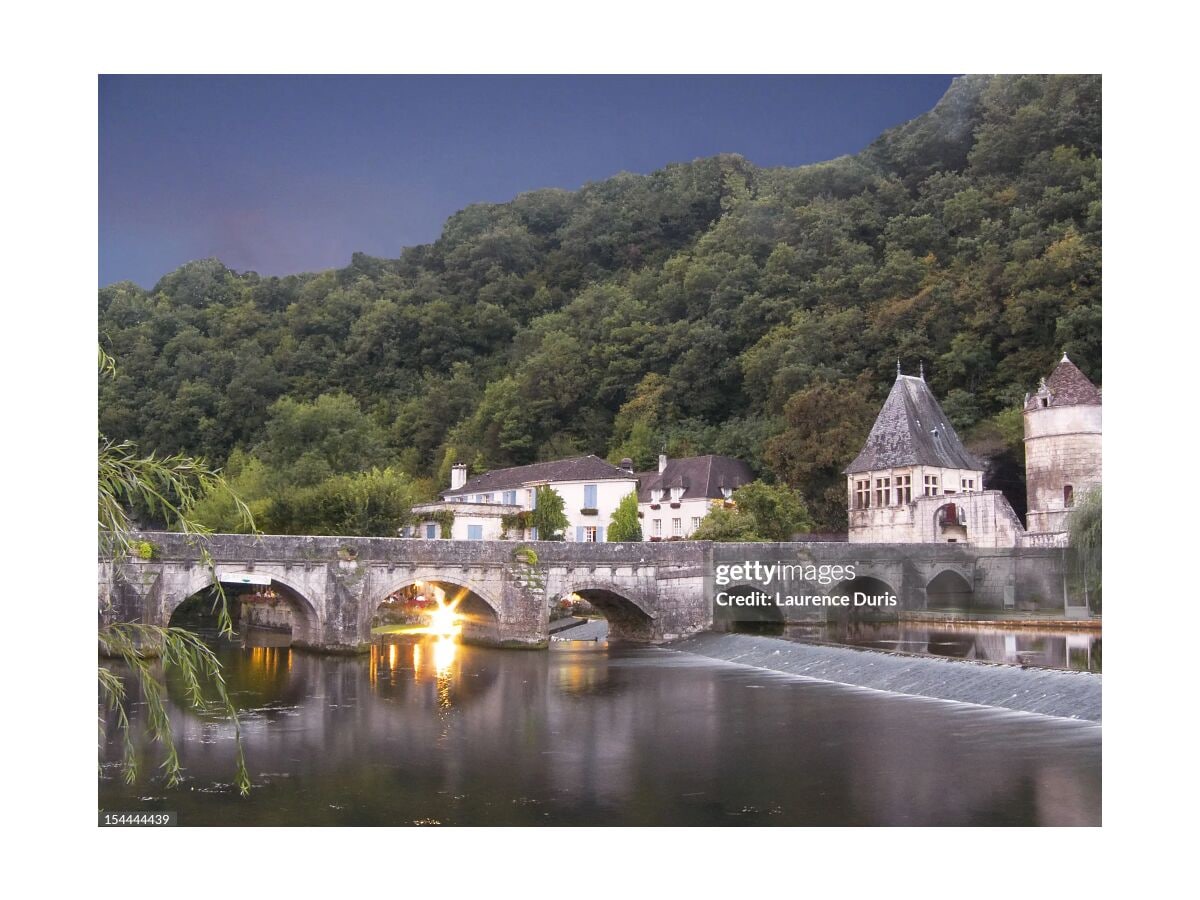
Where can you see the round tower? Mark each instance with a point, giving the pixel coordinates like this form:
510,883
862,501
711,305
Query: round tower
1062,446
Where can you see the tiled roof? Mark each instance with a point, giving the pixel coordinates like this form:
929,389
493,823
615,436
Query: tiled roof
912,430
699,476
1066,386
579,468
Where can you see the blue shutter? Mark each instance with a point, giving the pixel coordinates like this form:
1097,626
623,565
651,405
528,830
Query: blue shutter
579,533
600,533
589,496
475,532
431,532
533,533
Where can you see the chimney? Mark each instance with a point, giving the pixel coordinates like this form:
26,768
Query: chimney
458,476
662,462
627,464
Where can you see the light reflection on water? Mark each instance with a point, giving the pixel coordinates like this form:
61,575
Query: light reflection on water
419,731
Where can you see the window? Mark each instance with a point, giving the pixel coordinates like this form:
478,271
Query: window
677,527
862,493
1068,496
589,533
658,527
695,523
510,497
533,498
655,495
474,532
727,493
589,496
676,493
883,490
968,484
903,489
931,486
431,531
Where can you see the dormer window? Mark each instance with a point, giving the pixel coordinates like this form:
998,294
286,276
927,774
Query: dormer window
655,495
726,492
676,493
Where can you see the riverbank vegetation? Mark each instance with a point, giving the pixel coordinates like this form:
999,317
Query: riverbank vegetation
709,307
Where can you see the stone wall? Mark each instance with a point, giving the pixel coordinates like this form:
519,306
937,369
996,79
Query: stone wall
1063,446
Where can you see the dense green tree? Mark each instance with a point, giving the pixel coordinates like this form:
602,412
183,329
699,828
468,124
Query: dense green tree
548,516
625,525
779,512
728,525
826,426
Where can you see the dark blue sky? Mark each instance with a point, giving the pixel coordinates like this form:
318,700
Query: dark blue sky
293,174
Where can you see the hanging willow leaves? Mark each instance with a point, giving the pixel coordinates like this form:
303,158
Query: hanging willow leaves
164,489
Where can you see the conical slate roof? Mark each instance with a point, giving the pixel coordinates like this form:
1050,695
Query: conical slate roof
912,430
1066,386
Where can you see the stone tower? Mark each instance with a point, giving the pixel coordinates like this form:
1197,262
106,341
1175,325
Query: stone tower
1062,446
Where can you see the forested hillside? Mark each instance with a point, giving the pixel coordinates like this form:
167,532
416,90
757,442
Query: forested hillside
711,306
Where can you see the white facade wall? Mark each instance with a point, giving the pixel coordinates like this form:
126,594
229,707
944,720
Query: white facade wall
893,522
688,511
485,510
987,520
608,495
484,516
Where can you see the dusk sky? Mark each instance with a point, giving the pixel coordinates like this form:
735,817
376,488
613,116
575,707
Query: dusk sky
293,174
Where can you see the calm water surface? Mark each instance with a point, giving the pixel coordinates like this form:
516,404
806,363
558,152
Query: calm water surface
594,734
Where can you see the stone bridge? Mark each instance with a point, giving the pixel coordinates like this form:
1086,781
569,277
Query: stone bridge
329,588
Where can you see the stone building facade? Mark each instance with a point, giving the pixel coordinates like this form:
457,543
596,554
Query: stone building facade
1063,446
906,483
915,482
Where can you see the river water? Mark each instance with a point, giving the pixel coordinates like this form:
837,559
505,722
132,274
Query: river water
429,732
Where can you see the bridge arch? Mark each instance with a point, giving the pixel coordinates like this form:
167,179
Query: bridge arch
949,589
304,621
627,615
479,606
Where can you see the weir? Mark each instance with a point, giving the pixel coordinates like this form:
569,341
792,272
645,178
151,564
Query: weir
326,590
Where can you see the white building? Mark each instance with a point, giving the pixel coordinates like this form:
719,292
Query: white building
674,500
480,507
915,482
905,484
